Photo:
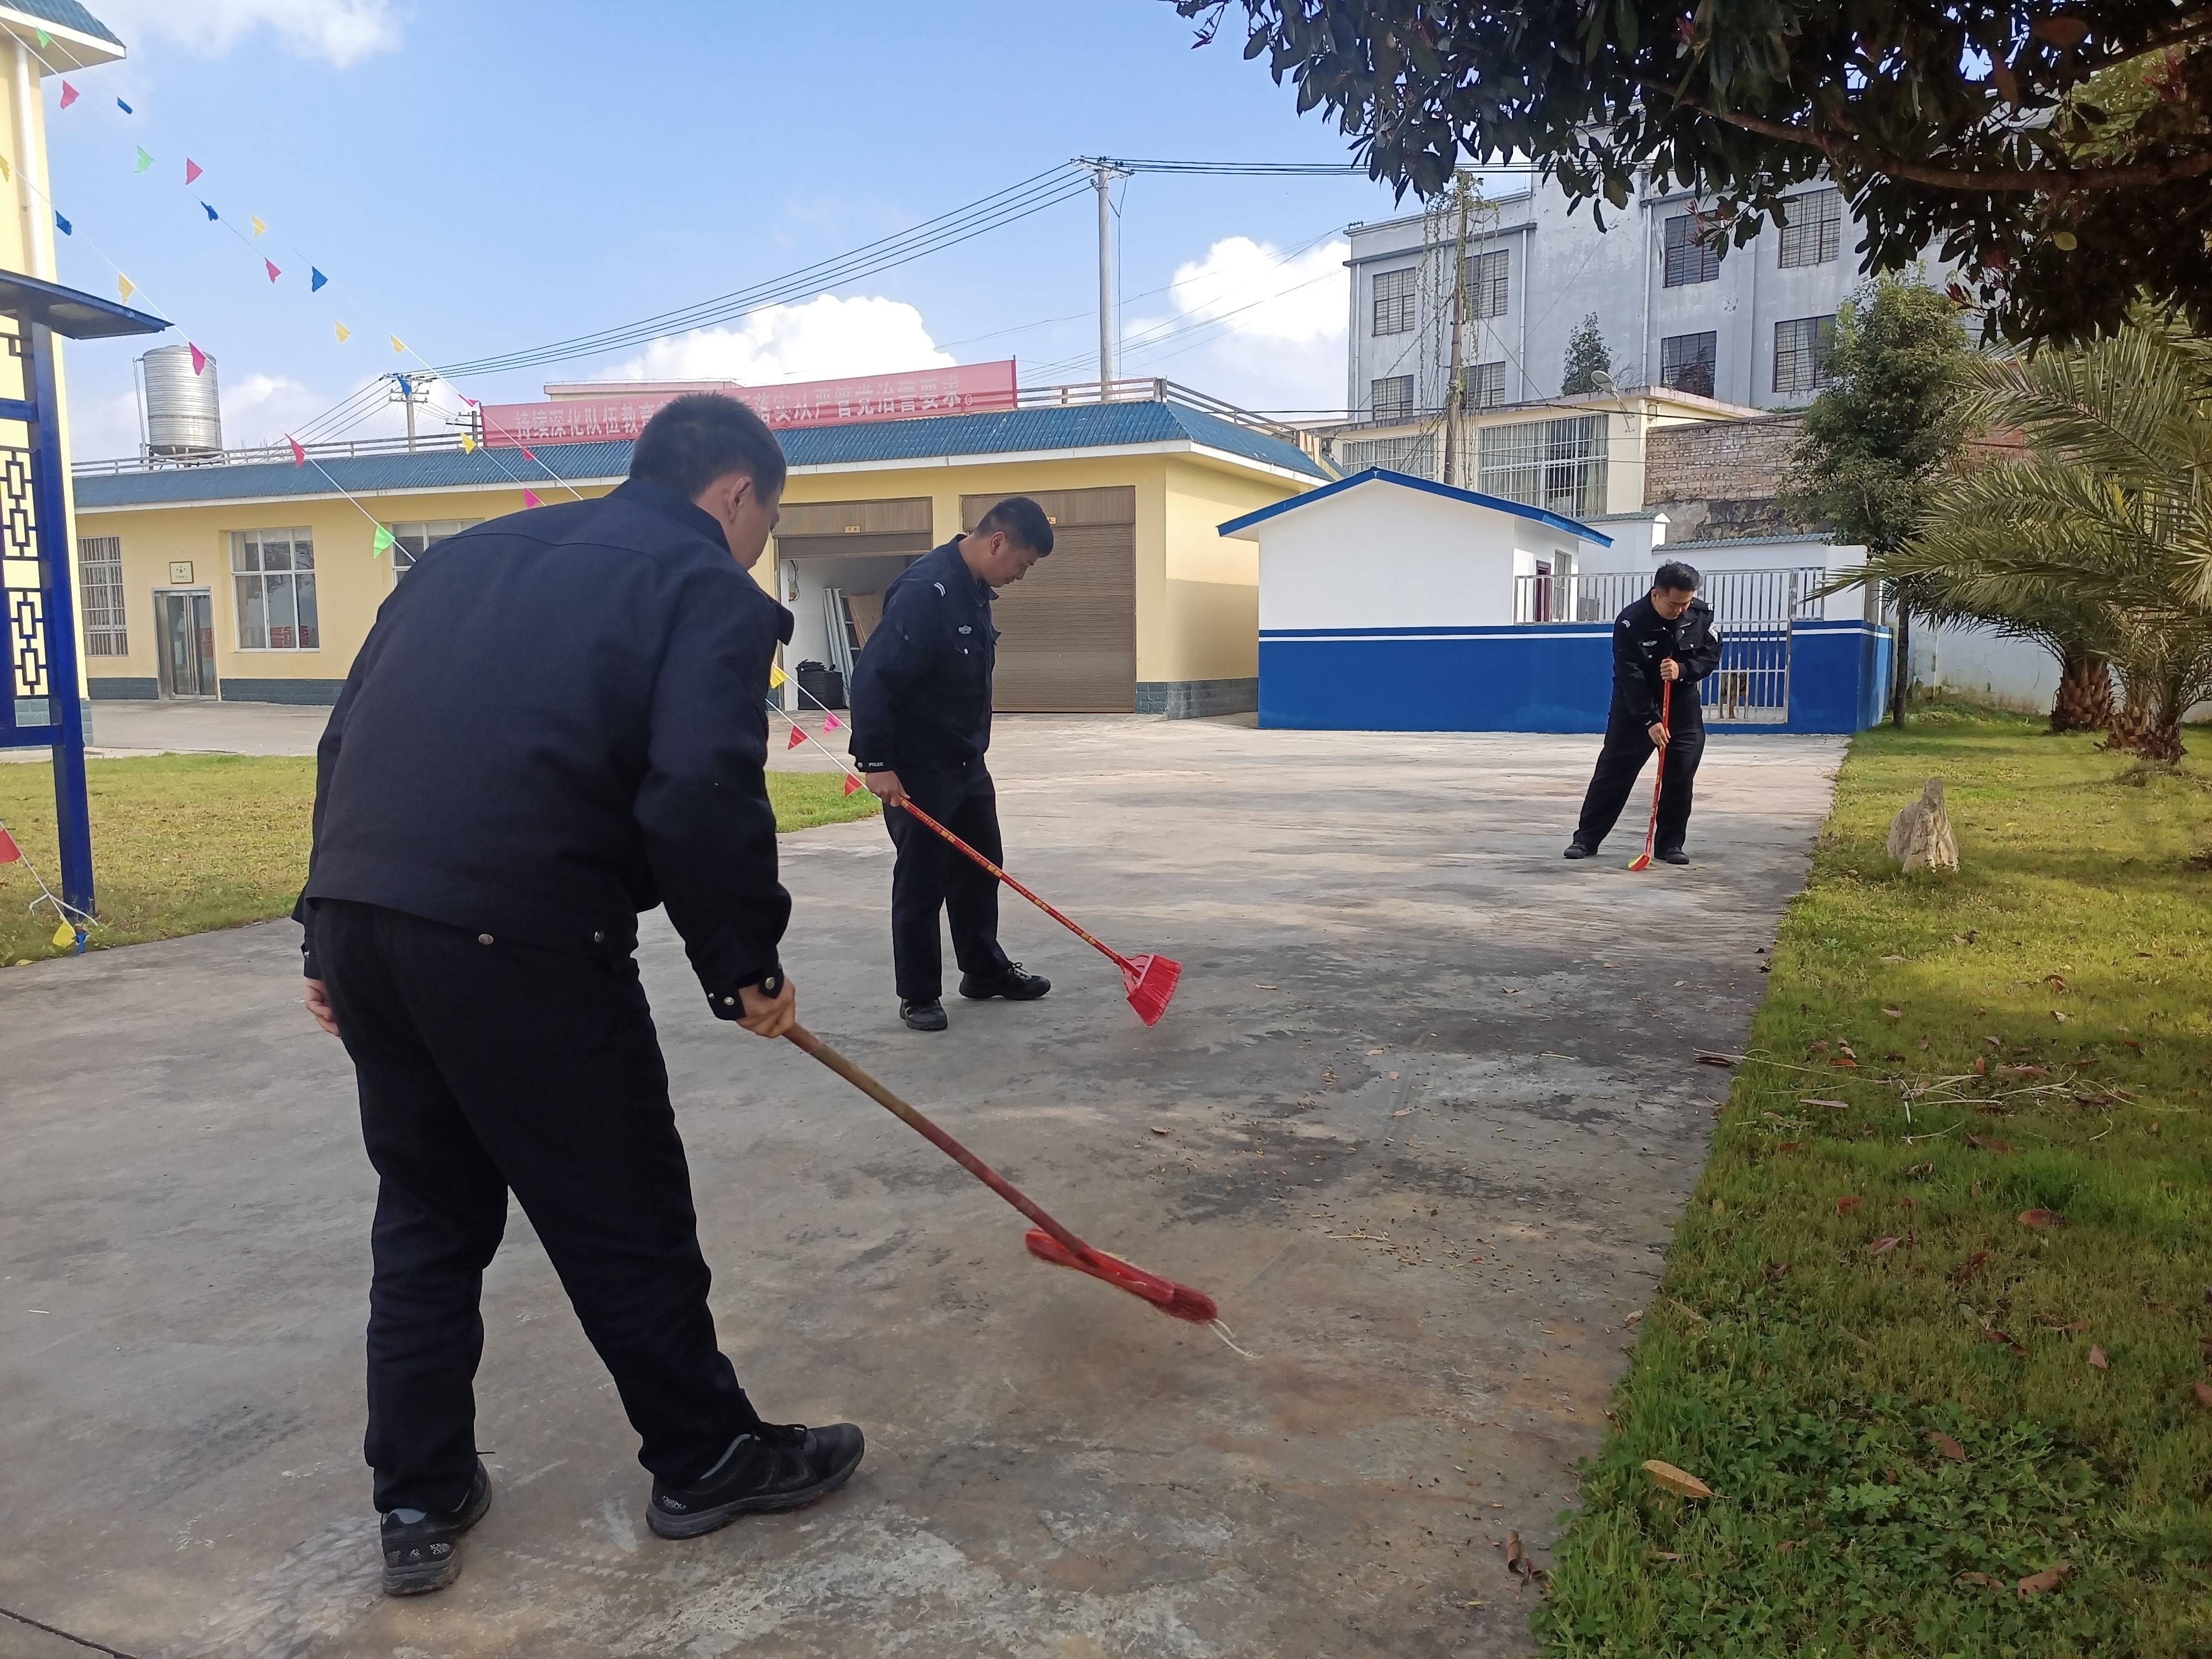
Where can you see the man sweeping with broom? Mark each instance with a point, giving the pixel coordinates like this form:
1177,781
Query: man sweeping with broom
555,723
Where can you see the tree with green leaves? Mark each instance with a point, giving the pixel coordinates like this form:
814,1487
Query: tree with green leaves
1589,363
2102,524
2058,152
1888,423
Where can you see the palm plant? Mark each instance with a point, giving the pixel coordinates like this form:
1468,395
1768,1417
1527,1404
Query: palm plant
2098,536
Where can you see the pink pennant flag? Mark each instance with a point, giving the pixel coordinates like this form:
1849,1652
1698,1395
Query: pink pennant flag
299,455
270,266
192,169
831,724
797,736
69,94
9,851
199,358
530,499
852,783
526,455
472,403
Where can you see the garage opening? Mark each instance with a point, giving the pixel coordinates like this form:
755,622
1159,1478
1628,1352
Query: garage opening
1067,631
835,559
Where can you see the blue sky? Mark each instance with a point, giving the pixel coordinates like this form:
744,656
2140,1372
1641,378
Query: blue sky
485,175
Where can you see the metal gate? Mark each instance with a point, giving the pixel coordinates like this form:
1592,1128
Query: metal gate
1755,611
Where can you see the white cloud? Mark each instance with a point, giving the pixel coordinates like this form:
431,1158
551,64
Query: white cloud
823,338
1251,326
344,32
102,428
1253,291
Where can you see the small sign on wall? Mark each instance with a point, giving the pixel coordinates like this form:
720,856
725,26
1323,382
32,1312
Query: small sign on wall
180,571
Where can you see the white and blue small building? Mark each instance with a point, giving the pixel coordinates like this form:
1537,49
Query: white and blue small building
1390,603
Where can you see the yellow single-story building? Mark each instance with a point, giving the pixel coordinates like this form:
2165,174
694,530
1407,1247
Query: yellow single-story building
256,579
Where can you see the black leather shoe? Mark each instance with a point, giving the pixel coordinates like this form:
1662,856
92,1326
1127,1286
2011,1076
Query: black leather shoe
924,1016
419,1545
1675,855
1013,984
1576,850
771,1466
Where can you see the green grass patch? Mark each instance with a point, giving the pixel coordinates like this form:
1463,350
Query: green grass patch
1891,1381
182,843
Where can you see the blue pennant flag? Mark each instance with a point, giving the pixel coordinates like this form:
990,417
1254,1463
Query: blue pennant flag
124,107
63,225
406,387
212,213
315,280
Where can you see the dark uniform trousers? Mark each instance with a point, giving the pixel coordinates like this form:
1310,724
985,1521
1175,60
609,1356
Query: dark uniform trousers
931,875
487,1067
1627,746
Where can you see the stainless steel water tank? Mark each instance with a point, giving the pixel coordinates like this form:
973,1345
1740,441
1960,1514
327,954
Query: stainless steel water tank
183,415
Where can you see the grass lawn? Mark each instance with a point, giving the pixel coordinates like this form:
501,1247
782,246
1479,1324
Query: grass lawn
181,843
1939,1318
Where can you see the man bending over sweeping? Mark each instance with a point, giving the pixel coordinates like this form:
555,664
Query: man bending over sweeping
1667,636
921,720
557,722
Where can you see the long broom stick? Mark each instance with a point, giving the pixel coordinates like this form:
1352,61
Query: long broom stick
1651,826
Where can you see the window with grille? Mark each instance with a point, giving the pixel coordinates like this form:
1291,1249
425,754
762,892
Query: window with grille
1394,301
1391,398
1482,385
1489,290
410,541
1687,362
100,582
273,572
1801,353
1415,457
1556,464
1689,257
1814,234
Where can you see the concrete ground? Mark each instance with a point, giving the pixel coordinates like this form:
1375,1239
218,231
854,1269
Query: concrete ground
1421,1117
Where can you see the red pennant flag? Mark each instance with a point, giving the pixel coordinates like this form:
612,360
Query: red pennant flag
69,94
9,851
270,266
299,455
526,455
797,736
530,499
192,169
199,358
852,783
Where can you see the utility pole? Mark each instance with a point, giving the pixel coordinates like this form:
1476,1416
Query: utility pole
1103,172
1458,328
410,390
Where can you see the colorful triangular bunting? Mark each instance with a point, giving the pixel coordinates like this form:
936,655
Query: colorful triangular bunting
831,723
377,542
45,38
145,161
192,169
315,280
69,94
63,225
398,344
211,214
344,333
530,499
64,935
270,266
199,358
775,677
9,851
468,445
124,287
852,784
797,736
254,219
124,107
299,454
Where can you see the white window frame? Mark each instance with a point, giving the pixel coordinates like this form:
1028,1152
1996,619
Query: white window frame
252,583
99,584
1814,234
1394,298
412,537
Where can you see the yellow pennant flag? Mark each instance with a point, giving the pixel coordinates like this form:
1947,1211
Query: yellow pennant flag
124,286
6,173
64,935
398,344
344,333
257,226
775,677
468,445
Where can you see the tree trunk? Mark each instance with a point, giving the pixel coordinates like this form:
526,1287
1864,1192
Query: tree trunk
2149,726
1900,682
2084,703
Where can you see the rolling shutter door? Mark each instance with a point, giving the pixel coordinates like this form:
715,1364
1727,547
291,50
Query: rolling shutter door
854,527
1067,631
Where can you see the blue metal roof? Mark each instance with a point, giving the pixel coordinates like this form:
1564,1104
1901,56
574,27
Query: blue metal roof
1380,475
1019,431
68,14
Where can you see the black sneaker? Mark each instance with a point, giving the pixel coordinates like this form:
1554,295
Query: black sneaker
1012,984
1673,855
771,1466
924,1016
1576,850
419,1552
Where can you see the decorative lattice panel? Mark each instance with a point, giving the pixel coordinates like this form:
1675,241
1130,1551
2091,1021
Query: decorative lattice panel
22,576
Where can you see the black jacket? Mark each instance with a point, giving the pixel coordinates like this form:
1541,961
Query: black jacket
557,721
1643,639
921,691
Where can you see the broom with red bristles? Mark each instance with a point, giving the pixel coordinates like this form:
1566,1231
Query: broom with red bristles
1048,1241
1651,828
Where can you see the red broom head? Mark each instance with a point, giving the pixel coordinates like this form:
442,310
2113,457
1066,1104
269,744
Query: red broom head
1643,861
1176,1301
1152,985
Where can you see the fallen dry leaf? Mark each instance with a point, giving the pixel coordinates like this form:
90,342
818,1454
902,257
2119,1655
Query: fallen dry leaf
1157,1130
1633,1317
2036,1583
1840,1105
1664,1555
1981,1066
1820,1047
1986,1143
1785,1546
1717,1060
1849,1061
1890,1241
2097,1358
1981,1578
1845,1206
2007,1338
1950,1448
1993,1043
1921,1169
2055,981
2041,1218
1681,1482
2204,1395
1892,958
1894,1013
2023,1071
2062,1019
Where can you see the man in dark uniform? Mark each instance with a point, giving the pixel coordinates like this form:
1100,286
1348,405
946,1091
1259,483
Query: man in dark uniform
921,721
1668,635
556,723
